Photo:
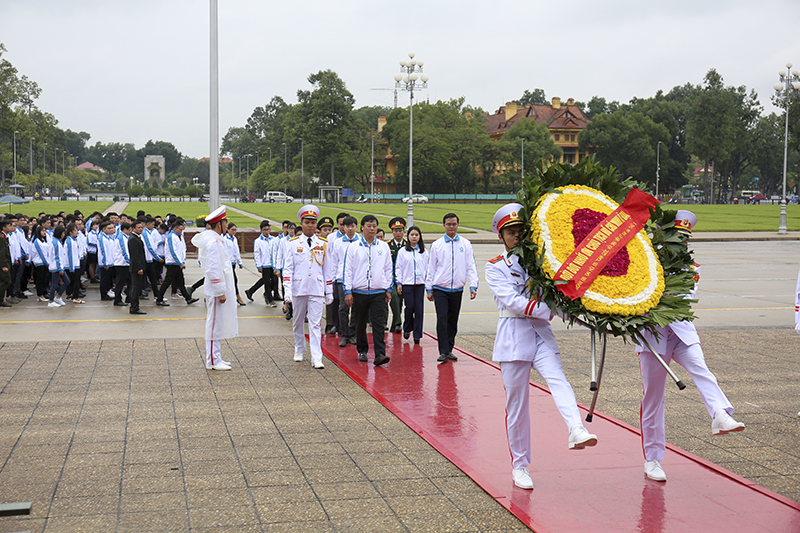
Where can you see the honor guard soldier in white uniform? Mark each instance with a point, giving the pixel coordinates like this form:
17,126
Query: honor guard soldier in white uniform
525,340
221,317
308,284
677,342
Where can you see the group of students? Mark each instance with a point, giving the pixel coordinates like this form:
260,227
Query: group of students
356,275
125,256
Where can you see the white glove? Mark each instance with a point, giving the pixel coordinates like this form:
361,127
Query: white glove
328,299
797,327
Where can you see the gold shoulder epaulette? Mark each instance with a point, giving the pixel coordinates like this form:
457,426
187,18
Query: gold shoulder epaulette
496,259
295,237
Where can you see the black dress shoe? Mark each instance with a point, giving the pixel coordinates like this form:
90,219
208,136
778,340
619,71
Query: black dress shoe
190,301
398,329
352,340
380,361
120,304
406,334
249,295
362,357
452,357
416,341
138,312
5,304
106,299
442,358
343,342
162,304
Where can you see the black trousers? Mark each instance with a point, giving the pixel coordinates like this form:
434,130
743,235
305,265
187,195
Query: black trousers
268,281
374,306
122,279
74,290
17,270
137,280
152,274
448,307
347,319
41,277
414,300
106,281
174,278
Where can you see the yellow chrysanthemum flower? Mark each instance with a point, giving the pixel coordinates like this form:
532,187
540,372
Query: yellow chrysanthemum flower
635,286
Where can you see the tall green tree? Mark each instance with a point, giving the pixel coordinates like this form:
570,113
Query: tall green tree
626,140
537,97
711,128
449,145
537,149
323,119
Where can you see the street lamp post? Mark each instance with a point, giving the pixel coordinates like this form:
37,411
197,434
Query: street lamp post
789,81
302,170
284,168
372,173
658,164
406,80
248,175
15,157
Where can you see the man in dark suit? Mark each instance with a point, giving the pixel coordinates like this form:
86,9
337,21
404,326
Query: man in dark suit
138,266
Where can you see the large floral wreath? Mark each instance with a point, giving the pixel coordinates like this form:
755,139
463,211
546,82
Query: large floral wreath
642,286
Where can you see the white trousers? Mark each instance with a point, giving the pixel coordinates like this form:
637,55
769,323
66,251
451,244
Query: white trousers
654,381
213,355
313,306
516,379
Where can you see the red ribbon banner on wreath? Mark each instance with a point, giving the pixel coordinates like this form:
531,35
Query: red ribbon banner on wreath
584,264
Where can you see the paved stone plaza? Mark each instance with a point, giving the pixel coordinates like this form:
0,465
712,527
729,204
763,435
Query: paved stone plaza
106,433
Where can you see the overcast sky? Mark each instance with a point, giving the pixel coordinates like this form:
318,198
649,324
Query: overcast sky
129,71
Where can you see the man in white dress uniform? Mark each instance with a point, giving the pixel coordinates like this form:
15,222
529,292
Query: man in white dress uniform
677,342
525,341
307,283
221,318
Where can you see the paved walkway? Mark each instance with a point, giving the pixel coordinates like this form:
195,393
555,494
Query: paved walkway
116,207
137,436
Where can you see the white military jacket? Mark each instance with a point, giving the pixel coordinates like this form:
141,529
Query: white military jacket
521,318
221,318
684,329
306,268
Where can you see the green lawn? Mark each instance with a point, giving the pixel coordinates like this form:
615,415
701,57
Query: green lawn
710,217
731,217
187,211
54,207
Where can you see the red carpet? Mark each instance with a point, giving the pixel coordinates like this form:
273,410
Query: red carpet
459,408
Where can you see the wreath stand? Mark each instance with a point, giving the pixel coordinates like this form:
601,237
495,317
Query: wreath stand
597,373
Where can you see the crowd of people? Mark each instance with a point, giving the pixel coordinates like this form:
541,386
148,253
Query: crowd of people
344,270
126,256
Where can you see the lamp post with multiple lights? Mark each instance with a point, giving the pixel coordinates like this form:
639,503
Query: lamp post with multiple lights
658,164
789,81
15,157
406,80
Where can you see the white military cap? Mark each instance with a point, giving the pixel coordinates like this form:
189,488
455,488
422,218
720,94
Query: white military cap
216,215
308,211
685,221
506,215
